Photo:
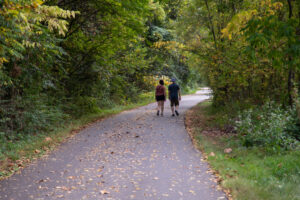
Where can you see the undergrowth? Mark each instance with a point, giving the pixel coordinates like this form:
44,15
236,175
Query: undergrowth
248,172
269,126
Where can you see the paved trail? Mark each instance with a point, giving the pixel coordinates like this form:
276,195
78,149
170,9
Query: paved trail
134,155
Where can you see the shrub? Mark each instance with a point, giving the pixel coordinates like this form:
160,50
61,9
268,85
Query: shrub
29,115
269,126
82,105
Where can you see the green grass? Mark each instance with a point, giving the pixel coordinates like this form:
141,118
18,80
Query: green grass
18,153
187,91
249,173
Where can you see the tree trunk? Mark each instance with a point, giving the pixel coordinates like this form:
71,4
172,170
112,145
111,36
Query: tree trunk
291,75
290,8
211,24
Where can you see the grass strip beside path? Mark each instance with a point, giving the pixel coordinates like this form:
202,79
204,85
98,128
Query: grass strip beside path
20,153
245,173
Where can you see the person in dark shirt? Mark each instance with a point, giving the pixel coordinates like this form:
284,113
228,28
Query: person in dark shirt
160,96
174,96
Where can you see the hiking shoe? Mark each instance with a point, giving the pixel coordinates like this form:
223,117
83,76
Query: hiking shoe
157,113
162,114
173,115
176,112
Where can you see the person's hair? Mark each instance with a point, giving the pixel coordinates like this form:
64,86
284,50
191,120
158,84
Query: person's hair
161,82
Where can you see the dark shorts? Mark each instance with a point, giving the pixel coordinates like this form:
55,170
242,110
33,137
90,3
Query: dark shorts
160,98
174,102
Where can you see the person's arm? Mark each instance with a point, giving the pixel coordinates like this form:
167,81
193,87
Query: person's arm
179,94
155,92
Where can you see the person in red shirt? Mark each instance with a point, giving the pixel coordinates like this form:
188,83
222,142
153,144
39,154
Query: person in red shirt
160,96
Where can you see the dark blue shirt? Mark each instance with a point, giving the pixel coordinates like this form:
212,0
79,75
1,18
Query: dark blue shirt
173,91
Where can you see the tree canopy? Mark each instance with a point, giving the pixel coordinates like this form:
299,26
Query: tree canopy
76,57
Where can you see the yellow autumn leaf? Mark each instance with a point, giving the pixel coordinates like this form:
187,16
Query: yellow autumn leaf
277,5
39,2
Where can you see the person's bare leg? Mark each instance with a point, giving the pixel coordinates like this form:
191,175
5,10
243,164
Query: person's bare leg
172,109
176,110
158,107
162,107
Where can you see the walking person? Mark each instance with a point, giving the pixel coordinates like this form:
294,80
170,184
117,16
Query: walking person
174,96
160,95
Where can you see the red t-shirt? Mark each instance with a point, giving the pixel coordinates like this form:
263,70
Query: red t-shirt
160,90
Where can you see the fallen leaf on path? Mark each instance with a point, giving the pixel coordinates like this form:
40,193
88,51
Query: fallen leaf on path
104,192
40,181
100,170
193,192
62,188
19,163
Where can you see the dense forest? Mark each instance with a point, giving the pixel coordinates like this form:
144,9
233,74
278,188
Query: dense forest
61,59
249,54
248,50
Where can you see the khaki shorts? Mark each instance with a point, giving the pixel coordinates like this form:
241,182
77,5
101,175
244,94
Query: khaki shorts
174,102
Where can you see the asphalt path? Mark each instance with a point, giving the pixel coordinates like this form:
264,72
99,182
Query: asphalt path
133,155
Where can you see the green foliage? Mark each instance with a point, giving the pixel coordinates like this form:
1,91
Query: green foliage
249,173
72,58
159,34
22,26
268,126
276,40
247,51
29,115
